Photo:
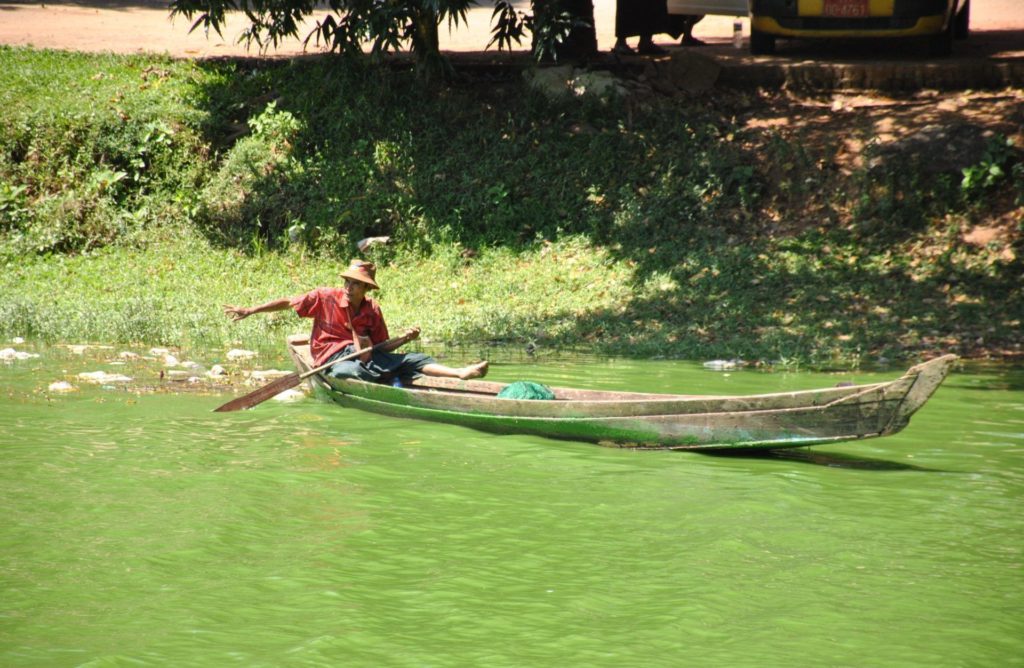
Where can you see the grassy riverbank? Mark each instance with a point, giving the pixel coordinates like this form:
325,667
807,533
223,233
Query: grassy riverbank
137,194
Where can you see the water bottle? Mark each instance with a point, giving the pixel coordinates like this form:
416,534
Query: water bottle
737,33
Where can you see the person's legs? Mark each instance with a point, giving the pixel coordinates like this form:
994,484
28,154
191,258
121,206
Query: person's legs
623,27
648,48
401,365
687,25
478,370
410,364
350,369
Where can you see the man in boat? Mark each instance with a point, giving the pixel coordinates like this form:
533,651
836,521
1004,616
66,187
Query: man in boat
346,320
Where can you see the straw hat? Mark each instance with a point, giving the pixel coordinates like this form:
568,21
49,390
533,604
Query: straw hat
362,271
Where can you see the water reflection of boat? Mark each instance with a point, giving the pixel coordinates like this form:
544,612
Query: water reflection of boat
632,419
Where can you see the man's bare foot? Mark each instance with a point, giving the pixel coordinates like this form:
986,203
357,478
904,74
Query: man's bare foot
478,370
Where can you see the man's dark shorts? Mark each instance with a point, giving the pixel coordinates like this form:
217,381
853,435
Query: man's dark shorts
382,367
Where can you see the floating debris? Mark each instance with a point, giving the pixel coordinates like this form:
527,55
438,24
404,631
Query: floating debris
10,354
239,354
370,242
80,348
104,377
290,395
216,371
62,386
128,355
178,374
722,365
564,81
269,374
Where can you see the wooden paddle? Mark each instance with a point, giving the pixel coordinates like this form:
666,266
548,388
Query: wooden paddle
293,379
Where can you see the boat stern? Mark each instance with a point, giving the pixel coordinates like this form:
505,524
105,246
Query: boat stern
926,377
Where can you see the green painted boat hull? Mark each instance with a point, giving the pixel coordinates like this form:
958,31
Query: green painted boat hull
625,419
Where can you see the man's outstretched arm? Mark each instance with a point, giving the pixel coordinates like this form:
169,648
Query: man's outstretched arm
241,312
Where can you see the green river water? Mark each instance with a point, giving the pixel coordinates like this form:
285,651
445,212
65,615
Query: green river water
140,528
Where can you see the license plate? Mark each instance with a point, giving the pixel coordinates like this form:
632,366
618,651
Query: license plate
846,9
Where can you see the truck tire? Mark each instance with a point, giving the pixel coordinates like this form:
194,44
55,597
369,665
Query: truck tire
941,45
761,43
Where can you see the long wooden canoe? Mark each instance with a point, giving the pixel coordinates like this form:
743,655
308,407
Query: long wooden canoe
663,421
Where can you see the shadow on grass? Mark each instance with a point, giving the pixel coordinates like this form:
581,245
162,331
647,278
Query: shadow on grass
676,189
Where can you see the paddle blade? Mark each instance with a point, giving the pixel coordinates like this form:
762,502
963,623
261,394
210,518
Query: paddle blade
262,394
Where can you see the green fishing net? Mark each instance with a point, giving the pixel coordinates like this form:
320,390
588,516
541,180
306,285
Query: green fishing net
525,389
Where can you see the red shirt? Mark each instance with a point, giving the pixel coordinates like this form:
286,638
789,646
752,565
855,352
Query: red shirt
328,307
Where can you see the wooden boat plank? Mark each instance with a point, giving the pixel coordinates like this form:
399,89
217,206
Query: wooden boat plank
769,428
487,389
579,409
653,420
618,403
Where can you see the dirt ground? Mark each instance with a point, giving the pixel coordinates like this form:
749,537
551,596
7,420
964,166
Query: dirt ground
941,133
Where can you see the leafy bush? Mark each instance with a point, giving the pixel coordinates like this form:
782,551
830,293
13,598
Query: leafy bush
252,186
995,165
153,191
13,206
91,148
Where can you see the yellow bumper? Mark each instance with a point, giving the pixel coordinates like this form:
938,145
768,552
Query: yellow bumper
925,25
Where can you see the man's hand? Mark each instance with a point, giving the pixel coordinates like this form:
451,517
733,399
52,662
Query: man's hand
240,312
412,333
366,344
237,313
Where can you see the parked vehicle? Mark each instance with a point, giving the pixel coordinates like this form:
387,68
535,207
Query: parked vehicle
700,7
939,22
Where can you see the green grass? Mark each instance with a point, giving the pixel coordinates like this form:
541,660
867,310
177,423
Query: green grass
562,294
95,148
171,293
138,194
